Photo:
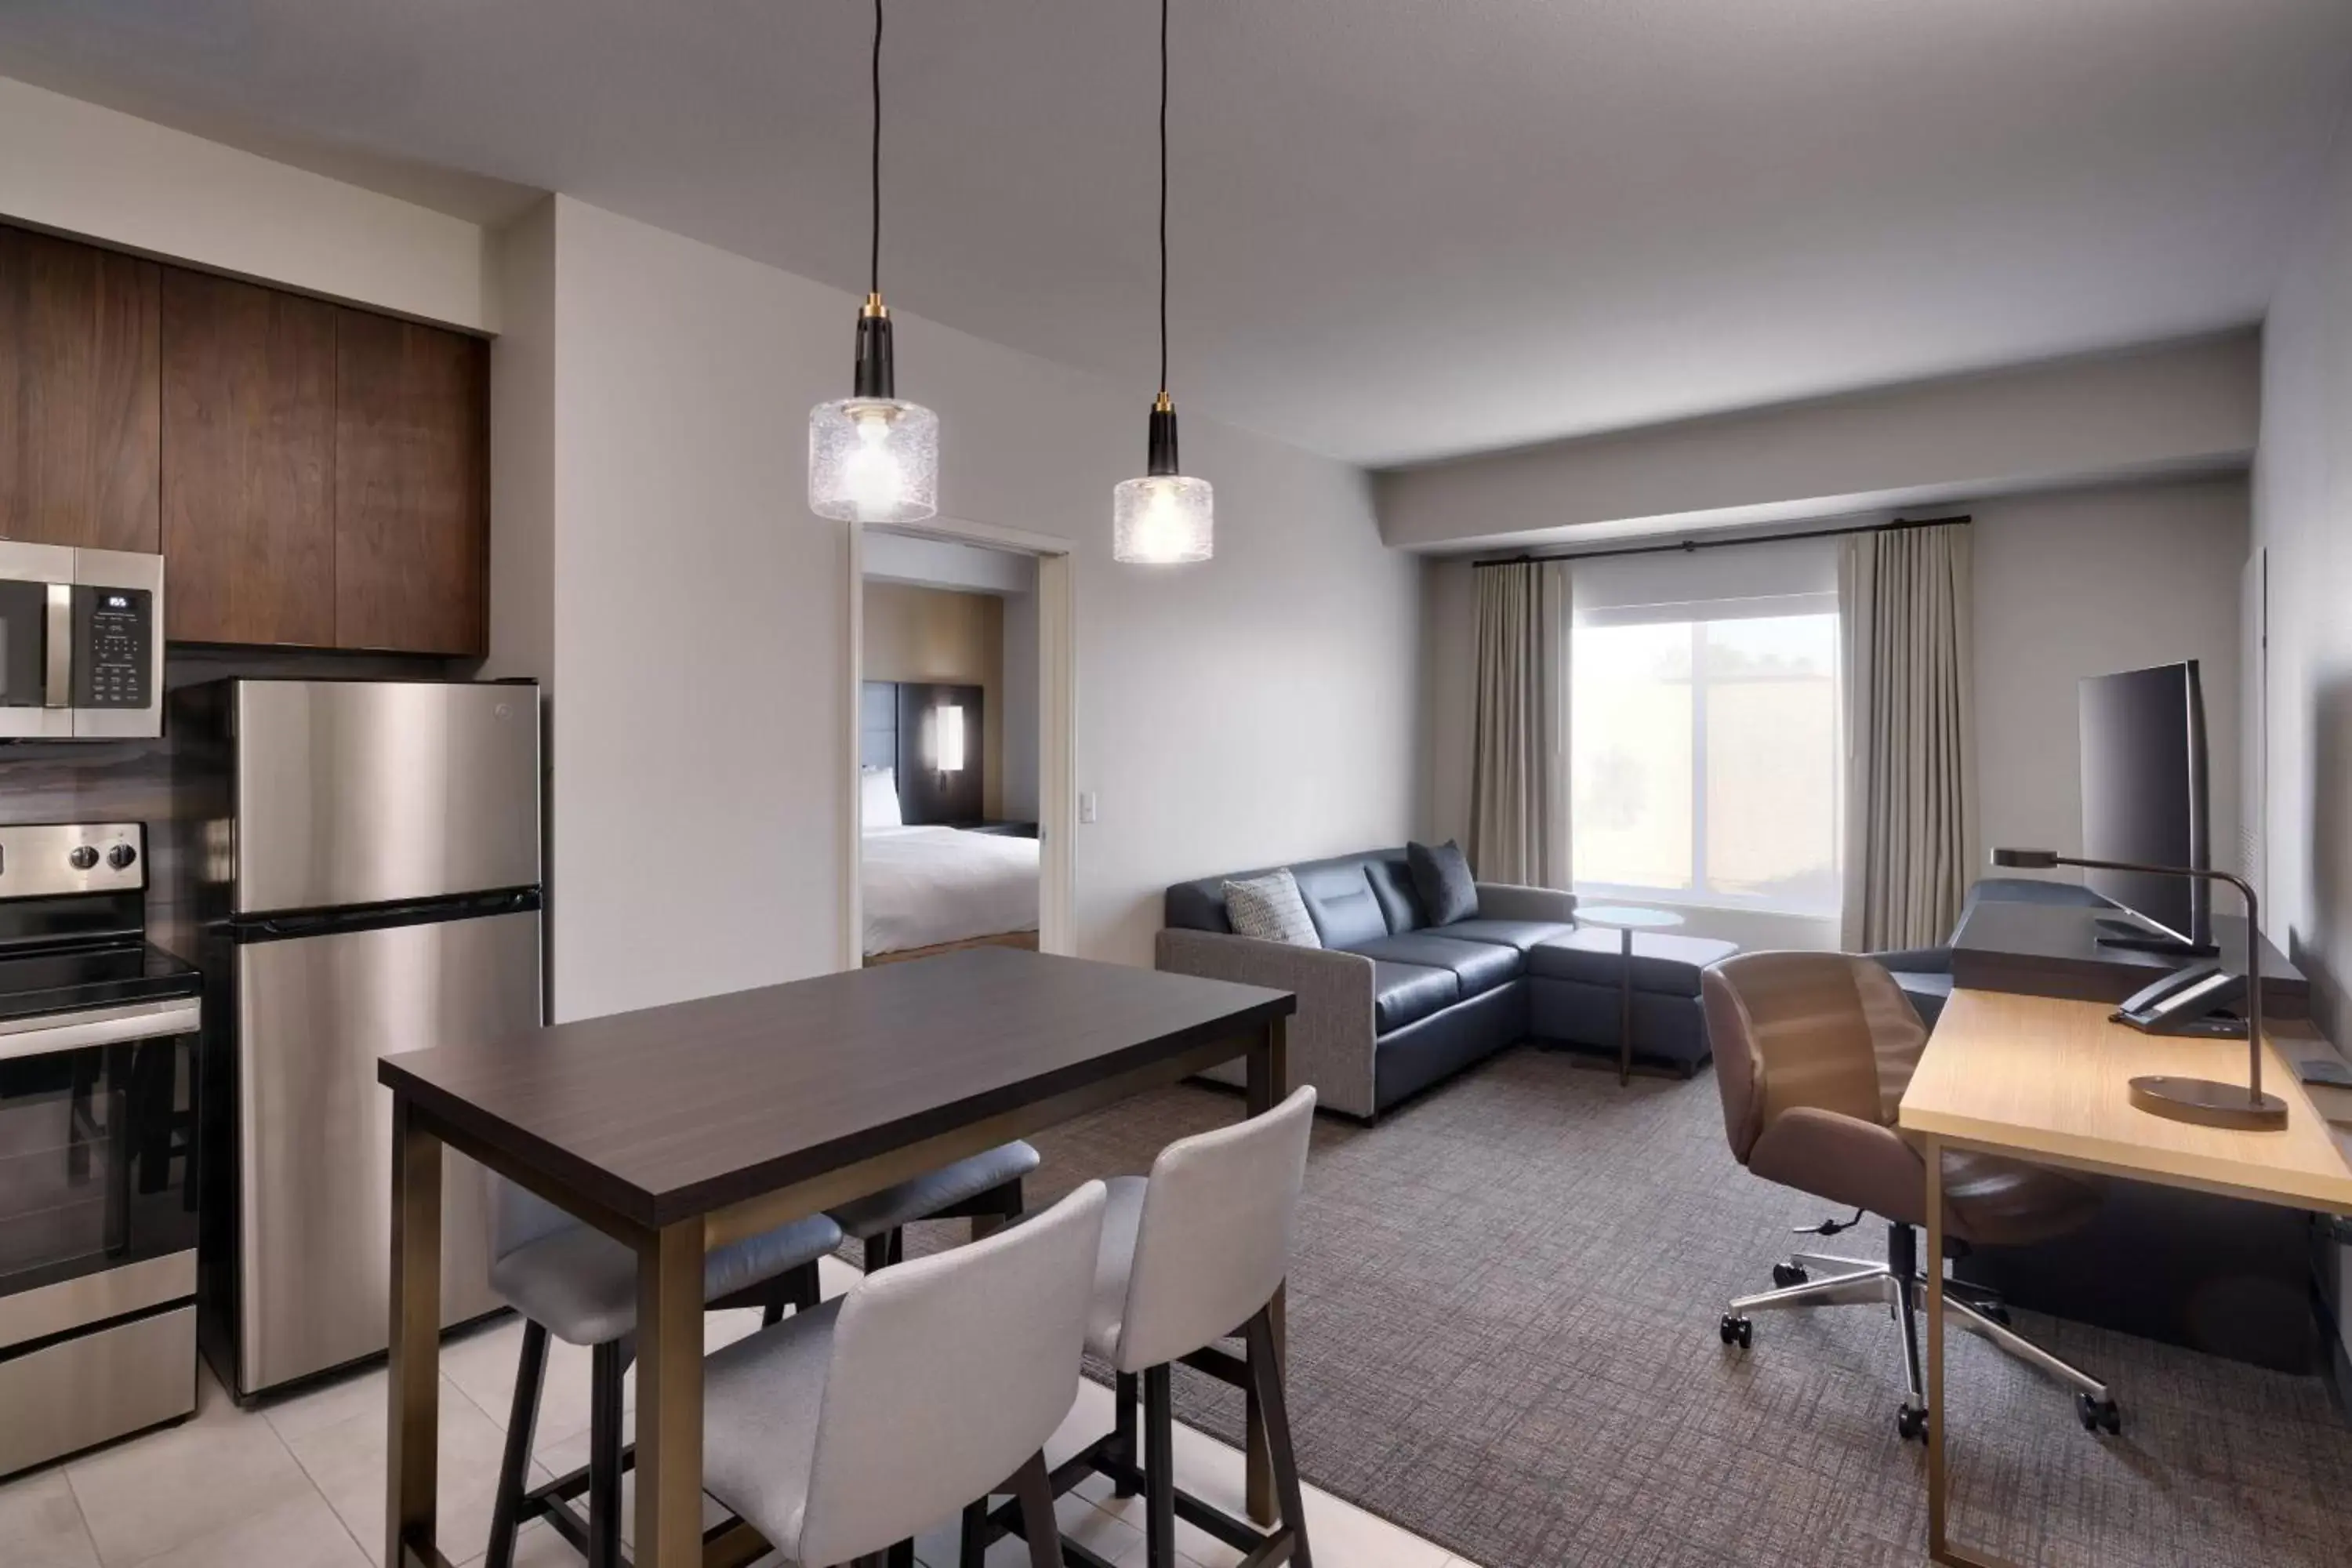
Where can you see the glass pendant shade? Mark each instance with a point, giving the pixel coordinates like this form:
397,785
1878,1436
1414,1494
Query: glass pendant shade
873,459
1162,519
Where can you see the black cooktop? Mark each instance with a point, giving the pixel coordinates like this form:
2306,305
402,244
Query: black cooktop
103,975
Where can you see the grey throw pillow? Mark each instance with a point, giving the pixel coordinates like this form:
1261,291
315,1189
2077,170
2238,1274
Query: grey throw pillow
1269,908
1442,877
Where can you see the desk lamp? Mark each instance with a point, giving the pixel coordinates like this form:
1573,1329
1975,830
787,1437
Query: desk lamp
2206,1102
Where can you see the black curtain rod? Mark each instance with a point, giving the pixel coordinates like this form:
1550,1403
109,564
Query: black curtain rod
1687,545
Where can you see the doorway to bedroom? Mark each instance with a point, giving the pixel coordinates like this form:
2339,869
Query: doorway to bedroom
961,707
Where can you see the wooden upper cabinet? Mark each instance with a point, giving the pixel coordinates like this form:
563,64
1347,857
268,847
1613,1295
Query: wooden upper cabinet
79,406
412,467
249,454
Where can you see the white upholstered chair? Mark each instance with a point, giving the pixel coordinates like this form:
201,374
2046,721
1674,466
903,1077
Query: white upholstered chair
852,1427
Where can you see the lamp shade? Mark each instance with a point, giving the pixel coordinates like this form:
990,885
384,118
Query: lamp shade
1164,520
949,739
873,459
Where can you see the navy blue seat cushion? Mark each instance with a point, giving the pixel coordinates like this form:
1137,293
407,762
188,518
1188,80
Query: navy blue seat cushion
1479,966
1664,963
1519,935
1407,993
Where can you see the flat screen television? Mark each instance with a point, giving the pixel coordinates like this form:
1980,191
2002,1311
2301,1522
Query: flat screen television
2144,795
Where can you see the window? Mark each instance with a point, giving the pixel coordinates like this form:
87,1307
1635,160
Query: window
1703,751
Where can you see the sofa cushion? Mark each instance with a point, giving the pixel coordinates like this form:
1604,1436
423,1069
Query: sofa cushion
1407,993
1521,934
1269,908
1392,880
1339,894
1478,965
1442,877
1199,904
1664,963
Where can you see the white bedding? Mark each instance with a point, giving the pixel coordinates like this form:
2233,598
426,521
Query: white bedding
924,886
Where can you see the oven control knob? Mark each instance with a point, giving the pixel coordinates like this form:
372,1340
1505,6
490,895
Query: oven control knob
120,856
82,858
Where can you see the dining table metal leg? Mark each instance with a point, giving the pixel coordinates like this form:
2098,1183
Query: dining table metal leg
1625,1008
1268,1082
415,1373
669,1397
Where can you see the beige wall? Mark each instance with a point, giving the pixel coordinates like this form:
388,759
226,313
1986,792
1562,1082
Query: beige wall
2189,406
1253,710
935,634
83,170
2303,517
2071,585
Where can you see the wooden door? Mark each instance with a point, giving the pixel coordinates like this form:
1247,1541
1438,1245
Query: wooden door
411,477
79,392
249,452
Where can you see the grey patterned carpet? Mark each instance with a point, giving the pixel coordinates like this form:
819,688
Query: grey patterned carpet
1502,1338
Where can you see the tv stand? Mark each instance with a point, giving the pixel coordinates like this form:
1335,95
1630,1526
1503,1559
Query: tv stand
2130,938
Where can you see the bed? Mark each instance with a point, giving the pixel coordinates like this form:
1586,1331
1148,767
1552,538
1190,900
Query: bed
927,889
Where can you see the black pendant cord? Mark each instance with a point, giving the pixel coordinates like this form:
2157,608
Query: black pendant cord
874,248
1163,196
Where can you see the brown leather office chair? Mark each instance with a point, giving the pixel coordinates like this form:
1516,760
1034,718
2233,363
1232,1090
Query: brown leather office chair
1813,1052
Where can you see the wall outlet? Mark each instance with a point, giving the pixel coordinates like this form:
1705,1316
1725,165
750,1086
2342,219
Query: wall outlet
1086,806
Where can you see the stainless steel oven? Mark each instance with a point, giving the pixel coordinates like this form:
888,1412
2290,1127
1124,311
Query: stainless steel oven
82,643
102,1073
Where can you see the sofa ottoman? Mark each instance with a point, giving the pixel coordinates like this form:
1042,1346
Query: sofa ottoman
1574,1000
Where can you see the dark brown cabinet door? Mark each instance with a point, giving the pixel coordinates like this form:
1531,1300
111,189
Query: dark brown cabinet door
412,465
78,394
248,463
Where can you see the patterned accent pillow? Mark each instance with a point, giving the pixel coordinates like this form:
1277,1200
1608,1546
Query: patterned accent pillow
1269,908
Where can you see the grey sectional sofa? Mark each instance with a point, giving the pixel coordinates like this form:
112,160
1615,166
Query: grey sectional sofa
1389,1004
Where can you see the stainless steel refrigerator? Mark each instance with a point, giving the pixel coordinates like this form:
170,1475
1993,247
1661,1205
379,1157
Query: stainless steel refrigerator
363,862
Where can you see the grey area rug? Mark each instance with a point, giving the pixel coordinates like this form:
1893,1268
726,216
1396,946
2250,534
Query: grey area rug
1503,1337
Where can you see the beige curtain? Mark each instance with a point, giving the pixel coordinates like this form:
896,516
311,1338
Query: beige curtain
1518,764
1907,680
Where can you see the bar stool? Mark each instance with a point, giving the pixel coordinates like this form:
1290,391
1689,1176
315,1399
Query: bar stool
574,1281
865,1422
1200,1245
985,1188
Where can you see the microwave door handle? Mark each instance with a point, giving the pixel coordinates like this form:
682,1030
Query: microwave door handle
57,648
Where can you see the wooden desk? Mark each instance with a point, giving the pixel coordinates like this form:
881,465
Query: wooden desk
684,1127
2044,1080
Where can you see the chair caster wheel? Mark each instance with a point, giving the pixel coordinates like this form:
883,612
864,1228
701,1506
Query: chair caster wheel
1737,1331
2099,1414
1785,1274
1911,1424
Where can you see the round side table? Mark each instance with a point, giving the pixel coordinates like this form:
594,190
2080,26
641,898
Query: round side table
1625,918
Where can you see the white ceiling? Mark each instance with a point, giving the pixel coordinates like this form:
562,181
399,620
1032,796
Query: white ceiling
1402,227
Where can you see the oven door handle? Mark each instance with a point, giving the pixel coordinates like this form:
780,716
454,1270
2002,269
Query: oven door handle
56,653
135,1021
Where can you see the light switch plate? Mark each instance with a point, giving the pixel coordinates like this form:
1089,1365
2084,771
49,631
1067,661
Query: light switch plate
1086,806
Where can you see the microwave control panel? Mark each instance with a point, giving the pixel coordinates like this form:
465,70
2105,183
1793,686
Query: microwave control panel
114,648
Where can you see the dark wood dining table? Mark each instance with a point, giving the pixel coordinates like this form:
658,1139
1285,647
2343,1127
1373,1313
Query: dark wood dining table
679,1128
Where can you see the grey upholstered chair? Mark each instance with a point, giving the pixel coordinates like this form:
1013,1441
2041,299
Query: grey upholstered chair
984,1188
865,1422
574,1281
1190,1254
1812,1053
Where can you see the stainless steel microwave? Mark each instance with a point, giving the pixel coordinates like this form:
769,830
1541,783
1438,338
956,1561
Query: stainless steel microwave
82,643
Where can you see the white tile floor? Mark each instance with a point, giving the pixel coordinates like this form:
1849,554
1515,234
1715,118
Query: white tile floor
298,1483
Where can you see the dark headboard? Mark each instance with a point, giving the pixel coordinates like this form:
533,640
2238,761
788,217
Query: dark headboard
890,719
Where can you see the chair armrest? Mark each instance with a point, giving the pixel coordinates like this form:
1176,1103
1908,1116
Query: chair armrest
1510,901
1330,1035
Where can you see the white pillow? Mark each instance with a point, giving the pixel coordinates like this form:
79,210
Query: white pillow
1269,908
877,798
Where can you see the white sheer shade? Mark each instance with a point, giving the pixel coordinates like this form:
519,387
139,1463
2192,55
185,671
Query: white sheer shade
873,459
1164,520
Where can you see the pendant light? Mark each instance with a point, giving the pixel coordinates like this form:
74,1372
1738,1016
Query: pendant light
873,457
1163,518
